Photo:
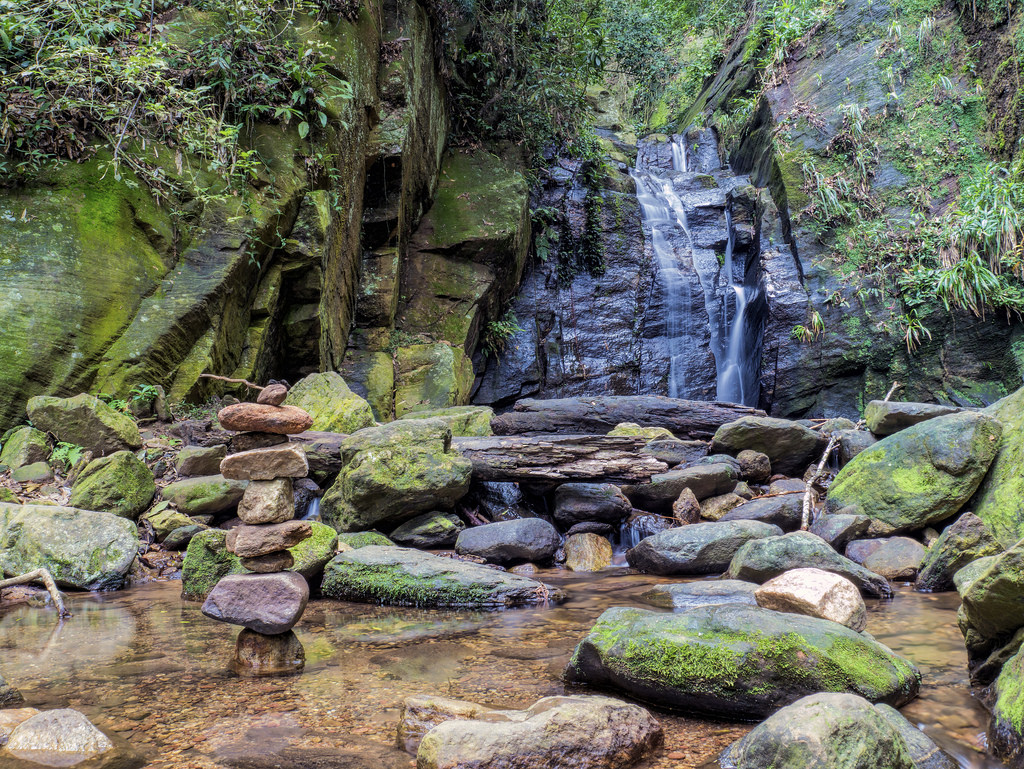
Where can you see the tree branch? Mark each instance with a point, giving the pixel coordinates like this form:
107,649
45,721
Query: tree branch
40,575
246,382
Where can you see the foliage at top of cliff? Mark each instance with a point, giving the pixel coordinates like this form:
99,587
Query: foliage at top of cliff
126,74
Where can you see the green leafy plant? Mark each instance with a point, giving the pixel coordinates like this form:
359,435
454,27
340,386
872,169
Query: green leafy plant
66,455
498,333
142,393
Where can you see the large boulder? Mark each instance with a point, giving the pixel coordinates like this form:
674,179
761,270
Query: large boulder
506,542
815,593
789,445
835,731
24,446
690,595
966,540
399,576
430,530
392,473
762,559
700,548
333,406
205,494
464,421
577,732
118,483
61,737
920,475
897,559
706,480
1006,729
85,421
736,661
783,510
994,599
998,499
80,548
579,502
888,417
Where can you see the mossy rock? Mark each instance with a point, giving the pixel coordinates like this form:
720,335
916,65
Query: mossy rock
993,599
627,429
205,494
431,376
206,561
315,552
736,661
85,421
353,540
25,446
119,483
964,541
464,421
167,520
333,406
1006,729
998,499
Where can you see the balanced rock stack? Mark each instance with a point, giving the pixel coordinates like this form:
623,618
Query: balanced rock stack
269,600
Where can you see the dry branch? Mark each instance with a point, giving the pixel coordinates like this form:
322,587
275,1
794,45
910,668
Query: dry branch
40,575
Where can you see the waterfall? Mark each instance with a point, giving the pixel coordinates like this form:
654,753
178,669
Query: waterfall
737,370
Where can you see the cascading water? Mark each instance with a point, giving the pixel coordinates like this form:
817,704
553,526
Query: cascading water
737,371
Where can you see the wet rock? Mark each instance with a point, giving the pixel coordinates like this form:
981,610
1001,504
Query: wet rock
923,752
357,539
11,719
587,552
852,443
96,557
282,560
754,466
920,475
1006,729
788,445
762,559
265,603
251,541
255,417
85,421
179,538
421,714
429,531
579,732
965,540
267,502
792,486
648,433
641,525
736,661
394,472
784,511
686,508
664,489
9,695
287,460
692,595
118,483
527,539
700,548
578,502
592,527
199,460
888,417
250,441
839,529
992,600
676,452
714,508
258,654
37,472
25,446
272,395
206,494
967,574
57,738
332,405
815,593
464,421
897,559
997,501
403,577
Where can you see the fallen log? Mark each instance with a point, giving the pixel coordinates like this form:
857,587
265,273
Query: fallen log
598,415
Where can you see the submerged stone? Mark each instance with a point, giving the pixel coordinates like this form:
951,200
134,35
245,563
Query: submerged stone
692,595
258,654
62,737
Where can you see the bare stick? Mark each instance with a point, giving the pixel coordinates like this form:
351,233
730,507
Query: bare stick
805,522
40,575
894,388
246,382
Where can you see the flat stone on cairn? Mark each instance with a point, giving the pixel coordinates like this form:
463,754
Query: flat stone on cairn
267,502
264,418
252,541
285,461
265,603
268,564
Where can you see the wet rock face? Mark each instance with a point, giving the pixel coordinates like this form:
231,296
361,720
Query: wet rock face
507,542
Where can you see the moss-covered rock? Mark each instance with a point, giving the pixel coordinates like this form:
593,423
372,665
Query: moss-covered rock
1006,730
965,540
85,421
920,475
165,521
650,433
430,530
736,661
23,447
333,406
993,599
205,494
314,553
353,540
207,560
431,376
464,421
998,501
80,548
119,483
394,472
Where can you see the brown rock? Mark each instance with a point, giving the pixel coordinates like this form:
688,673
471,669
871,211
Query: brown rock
272,395
754,466
587,552
11,719
245,417
267,502
252,541
266,603
686,508
250,441
285,461
282,560
257,654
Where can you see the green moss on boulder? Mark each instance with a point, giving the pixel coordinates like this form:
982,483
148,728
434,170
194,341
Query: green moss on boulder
205,494
207,560
998,501
25,446
119,483
431,376
86,421
464,421
333,406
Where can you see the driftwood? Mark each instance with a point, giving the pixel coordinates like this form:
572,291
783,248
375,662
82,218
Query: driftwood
40,575
576,416
245,382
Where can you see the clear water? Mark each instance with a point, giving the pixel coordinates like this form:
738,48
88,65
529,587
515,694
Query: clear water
150,669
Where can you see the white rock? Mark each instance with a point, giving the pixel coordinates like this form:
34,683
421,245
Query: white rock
816,593
12,718
57,738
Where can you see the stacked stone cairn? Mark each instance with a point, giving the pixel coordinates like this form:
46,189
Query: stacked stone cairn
268,600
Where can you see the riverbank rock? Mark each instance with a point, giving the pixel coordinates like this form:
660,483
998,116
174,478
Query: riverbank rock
580,502
692,595
700,548
852,443
815,593
334,408
398,576
392,473
835,731
25,446
965,540
754,466
997,501
686,509
429,531
577,732
61,737
257,654
506,542
9,696
710,509
920,475
80,548
887,417
1006,729
463,421
647,433
762,559
673,451
119,483
587,552
736,661
838,530
267,502
264,603
784,510
85,421
194,461
208,494
788,445
37,472
992,600
703,480
287,460
897,559
261,418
